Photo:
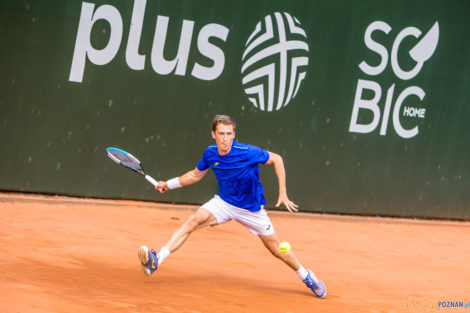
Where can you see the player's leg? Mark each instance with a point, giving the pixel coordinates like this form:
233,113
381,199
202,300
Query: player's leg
213,212
259,224
200,219
271,242
150,260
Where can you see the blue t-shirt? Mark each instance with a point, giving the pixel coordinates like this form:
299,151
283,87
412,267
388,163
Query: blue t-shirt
237,174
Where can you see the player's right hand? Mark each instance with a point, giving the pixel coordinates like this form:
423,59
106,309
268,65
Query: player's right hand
162,187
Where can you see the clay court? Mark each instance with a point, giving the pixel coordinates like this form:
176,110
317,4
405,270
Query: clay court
62,254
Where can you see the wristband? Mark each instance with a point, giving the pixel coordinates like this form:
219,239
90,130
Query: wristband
173,183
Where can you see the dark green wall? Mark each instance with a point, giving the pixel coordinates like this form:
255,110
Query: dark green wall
54,131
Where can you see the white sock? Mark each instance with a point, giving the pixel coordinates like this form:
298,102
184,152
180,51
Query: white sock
302,272
163,254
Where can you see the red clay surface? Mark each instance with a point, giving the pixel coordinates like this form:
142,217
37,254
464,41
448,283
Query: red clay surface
77,255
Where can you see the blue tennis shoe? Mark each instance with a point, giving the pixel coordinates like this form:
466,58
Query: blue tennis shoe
148,259
317,286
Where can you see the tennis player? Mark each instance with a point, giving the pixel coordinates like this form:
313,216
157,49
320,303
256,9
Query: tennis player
240,198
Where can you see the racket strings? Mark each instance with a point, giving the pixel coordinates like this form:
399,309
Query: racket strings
126,160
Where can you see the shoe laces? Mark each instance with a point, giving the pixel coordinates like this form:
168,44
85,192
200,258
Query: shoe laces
310,282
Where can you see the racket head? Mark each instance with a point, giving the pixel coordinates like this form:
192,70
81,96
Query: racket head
125,159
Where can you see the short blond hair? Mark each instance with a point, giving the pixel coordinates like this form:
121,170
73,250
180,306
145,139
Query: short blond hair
223,119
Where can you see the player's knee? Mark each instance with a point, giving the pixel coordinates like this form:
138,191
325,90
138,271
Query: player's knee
192,222
278,254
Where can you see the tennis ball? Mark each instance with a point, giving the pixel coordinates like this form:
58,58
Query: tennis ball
284,247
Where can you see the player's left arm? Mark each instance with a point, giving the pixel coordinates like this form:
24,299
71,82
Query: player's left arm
278,163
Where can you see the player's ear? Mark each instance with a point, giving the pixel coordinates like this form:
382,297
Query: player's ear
213,134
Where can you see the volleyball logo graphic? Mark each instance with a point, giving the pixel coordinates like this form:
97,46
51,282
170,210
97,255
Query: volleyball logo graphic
274,62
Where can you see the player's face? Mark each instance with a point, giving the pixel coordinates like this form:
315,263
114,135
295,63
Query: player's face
223,135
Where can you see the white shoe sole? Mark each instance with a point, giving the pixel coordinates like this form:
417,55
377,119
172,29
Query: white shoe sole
324,295
143,255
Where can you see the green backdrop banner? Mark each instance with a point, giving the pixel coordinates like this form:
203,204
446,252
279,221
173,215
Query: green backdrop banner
367,101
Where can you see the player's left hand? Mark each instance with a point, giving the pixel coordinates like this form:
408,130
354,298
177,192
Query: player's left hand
283,199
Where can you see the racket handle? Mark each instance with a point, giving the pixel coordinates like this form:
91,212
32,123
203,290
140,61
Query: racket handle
151,180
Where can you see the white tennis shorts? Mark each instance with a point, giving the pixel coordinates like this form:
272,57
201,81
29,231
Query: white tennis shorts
256,222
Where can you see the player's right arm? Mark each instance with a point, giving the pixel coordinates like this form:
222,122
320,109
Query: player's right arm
189,178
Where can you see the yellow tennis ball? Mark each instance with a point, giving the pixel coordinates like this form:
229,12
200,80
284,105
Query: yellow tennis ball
284,247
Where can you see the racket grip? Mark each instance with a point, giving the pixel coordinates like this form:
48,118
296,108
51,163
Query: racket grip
151,180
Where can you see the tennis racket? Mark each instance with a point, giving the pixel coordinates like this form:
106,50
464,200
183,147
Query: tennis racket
129,161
